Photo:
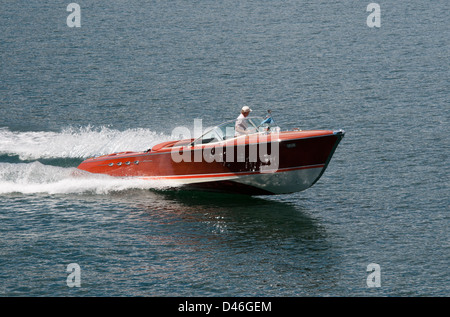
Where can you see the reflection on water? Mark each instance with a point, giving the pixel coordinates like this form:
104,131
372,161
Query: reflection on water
212,243
169,243
254,217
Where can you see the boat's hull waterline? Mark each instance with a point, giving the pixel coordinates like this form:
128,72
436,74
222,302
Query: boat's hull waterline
259,164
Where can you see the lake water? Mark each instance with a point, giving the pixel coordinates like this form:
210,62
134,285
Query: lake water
134,71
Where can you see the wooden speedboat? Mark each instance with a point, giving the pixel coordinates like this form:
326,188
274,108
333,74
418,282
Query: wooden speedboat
264,161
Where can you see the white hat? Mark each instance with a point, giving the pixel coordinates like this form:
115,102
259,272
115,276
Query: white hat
246,109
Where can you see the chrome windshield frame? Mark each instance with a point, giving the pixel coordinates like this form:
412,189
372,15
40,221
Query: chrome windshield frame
220,138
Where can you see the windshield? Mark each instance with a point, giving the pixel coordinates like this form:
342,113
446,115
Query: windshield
227,130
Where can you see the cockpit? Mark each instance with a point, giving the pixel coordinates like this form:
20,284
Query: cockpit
227,130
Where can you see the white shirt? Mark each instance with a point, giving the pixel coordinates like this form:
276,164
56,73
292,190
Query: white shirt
241,125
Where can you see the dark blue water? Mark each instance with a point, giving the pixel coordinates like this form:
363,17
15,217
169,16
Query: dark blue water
134,71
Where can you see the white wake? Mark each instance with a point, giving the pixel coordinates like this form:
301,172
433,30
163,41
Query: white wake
81,142
35,177
30,176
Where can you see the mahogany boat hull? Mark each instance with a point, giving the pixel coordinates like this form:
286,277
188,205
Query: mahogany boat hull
280,163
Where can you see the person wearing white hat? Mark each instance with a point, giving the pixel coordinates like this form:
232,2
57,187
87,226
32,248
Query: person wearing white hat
241,126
